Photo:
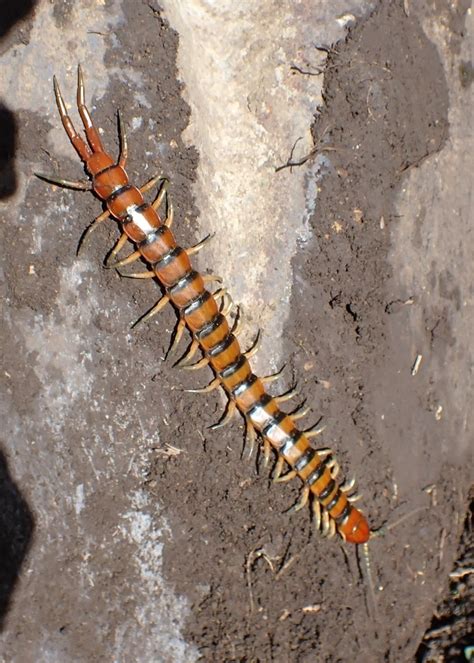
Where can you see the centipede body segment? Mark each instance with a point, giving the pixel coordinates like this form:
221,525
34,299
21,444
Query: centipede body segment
201,313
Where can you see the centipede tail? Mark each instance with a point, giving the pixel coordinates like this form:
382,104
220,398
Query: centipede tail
200,312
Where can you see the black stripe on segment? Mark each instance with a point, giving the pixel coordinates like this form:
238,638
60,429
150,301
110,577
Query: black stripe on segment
276,420
333,502
168,257
324,494
197,302
289,444
209,327
221,346
344,515
229,370
262,402
304,459
105,170
118,192
317,474
182,282
244,385
153,236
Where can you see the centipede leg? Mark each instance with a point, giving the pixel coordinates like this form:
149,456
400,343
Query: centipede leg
197,247
279,467
286,477
208,388
334,467
178,335
115,250
347,486
250,436
228,415
354,498
161,193
199,364
237,326
267,452
324,453
317,514
140,275
227,304
169,216
300,413
189,354
255,347
287,396
280,464
325,523
274,376
153,311
302,502
159,199
211,278
133,257
314,431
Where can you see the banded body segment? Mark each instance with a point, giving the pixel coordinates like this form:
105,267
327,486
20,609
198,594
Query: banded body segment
198,308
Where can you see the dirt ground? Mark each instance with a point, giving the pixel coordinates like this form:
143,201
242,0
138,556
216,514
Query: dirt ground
261,585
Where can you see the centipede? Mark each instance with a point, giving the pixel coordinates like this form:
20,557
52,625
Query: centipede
205,315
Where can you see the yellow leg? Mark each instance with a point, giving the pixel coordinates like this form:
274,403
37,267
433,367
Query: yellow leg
227,304
153,311
314,431
178,335
95,223
197,247
161,193
211,278
169,216
324,453
139,275
229,413
303,501
199,364
300,413
267,452
136,255
325,523
238,320
205,390
347,486
250,435
255,347
286,477
274,376
189,354
317,514
286,397
279,467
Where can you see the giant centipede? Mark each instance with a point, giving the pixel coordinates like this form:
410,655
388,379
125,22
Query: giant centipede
205,315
